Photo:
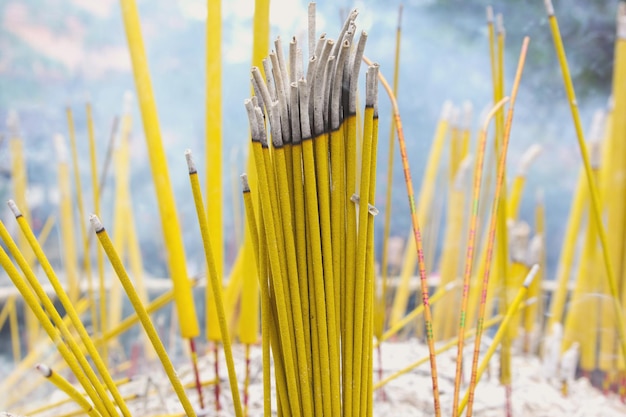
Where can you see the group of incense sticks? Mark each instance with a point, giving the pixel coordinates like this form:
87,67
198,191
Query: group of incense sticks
313,212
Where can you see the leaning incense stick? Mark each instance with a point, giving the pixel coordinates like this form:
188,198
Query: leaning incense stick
418,242
265,300
471,242
593,189
121,273
496,204
214,281
468,399
67,388
69,308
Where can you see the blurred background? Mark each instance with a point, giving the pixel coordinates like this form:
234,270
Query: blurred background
56,53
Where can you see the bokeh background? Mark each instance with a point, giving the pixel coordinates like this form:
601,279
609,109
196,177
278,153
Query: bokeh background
55,53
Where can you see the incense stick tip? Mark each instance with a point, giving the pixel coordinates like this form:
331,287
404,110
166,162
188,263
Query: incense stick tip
531,275
549,7
44,369
60,147
489,14
96,224
13,122
244,182
528,157
621,25
16,211
446,110
190,163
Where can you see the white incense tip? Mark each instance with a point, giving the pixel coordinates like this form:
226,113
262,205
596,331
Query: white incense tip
96,224
13,122
446,110
621,26
128,102
531,275
14,209
489,14
60,147
499,23
468,110
463,172
190,164
595,154
535,249
44,369
244,182
549,7
528,157
597,126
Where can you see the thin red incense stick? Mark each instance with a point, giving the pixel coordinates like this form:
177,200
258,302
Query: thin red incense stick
418,240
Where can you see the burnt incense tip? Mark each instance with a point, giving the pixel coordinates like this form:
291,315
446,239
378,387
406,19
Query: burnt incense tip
549,7
44,369
13,122
463,172
528,157
531,275
190,164
621,24
128,102
16,212
446,110
96,224
500,23
489,14
244,182
595,154
60,148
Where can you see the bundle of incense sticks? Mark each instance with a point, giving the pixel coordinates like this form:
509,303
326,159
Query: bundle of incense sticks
315,227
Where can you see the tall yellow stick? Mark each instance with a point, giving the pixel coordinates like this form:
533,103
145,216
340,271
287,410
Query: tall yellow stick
67,221
158,163
215,281
468,399
595,200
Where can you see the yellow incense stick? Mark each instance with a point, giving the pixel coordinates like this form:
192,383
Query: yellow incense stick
81,212
215,282
265,300
96,394
15,332
19,178
69,308
158,163
596,209
468,399
424,202
67,388
121,273
66,220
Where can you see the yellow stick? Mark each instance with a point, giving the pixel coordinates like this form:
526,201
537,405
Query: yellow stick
19,178
424,201
215,282
15,332
468,399
69,308
96,394
95,189
384,263
44,233
4,313
596,209
167,209
81,214
67,221
213,132
265,299
121,273
450,344
67,388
